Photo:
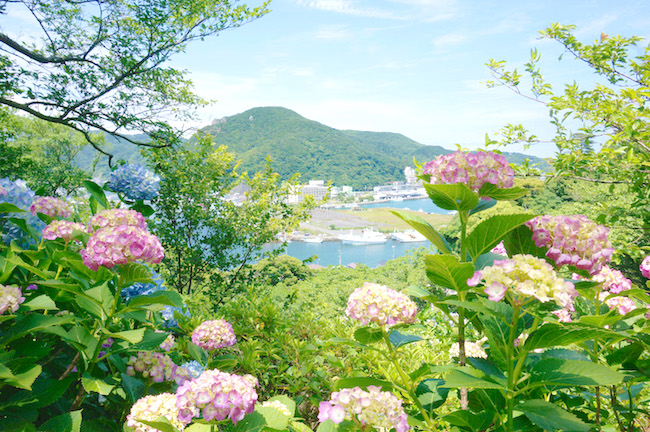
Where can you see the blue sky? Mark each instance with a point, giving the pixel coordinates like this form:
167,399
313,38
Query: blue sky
414,67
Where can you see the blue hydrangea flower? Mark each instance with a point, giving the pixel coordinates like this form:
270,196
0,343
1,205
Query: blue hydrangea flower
140,289
135,182
194,367
168,316
18,194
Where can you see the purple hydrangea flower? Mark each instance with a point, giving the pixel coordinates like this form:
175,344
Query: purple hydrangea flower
380,410
211,335
645,267
115,217
50,206
62,229
472,169
135,182
121,244
159,367
11,296
216,395
381,305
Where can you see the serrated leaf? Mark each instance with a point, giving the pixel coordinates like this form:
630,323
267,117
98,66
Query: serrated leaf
550,417
399,339
133,387
627,354
96,192
502,194
482,205
23,380
452,196
470,378
155,301
568,373
42,302
253,422
469,420
144,209
487,234
519,241
95,385
550,335
424,228
197,353
33,323
133,273
368,335
418,292
448,271
362,382
431,394
133,336
274,418
68,422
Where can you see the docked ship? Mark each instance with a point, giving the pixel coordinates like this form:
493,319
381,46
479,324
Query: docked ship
367,236
410,236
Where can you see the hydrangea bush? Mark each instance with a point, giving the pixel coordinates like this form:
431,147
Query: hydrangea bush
135,182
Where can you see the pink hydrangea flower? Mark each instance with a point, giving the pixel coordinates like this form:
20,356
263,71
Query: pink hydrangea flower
645,267
121,244
499,249
381,305
115,217
573,240
623,304
62,229
473,169
216,395
612,280
50,206
159,367
528,276
168,344
377,409
11,296
149,408
211,335
563,315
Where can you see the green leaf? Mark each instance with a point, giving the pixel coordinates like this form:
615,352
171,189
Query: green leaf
520,241
418,292
368,335
487,234
43,392
452,197
463,376
143,208
274,418
499,194
448,271
23,380
431,395
399,339
44,274
482,205
133,336
150,341
96,192
161,423
424,228
628,354
154,301
133,387
133,273
33,323
42,302
568,373
327,426
6,207
286,401
550,417
68,422
95,385
550,335
470,421
362,382
253,422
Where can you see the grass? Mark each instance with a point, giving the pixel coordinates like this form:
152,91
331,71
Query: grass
384,216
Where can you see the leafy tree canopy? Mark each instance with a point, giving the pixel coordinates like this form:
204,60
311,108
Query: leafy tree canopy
100,64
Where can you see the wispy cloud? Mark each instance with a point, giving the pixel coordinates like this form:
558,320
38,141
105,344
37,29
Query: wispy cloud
448,39
333,32
350,7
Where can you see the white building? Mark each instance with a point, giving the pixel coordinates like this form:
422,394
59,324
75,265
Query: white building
315,188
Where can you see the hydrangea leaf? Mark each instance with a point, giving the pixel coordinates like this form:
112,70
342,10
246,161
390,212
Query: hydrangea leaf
161,423
483,205
42,302
424,228
470,421
68,422
470,378
550,335
551,417
502,194
430,394
399,339
274,418
133,387
452,196
448,271
95,385
491,231
569,373
368,335
253,422
10,208
96,192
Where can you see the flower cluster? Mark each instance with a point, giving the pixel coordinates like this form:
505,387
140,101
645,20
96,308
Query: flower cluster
50,206
563,315
211,335
11,297
141,288
62,229
159,367
380,410
612,280
149,408
135,182
277,405
499,249
473,169
121,244
18,194
472,349
168,344
645,267
216,395
115,217
526,275
381,305
188,371
573,240
623,304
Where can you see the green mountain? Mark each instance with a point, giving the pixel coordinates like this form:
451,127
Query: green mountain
298,145
345,157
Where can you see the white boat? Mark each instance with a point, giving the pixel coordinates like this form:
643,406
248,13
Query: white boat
312,239
367,236
410,236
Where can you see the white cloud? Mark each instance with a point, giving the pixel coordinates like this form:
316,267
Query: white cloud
349,7
449,39
333,32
